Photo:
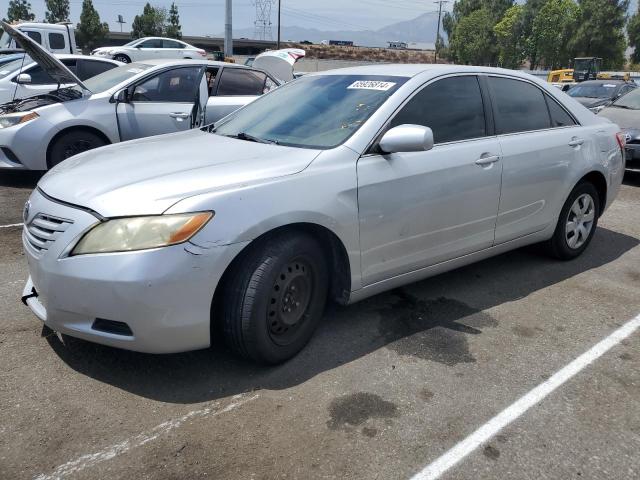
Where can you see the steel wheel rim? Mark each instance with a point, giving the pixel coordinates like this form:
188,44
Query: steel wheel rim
580,221
77,147
290,299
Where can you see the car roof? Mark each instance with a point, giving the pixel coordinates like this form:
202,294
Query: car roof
160,38
413,70
187,61
48,26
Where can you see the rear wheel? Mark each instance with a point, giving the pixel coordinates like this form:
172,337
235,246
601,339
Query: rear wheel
73,143
577,223
274,298
121,57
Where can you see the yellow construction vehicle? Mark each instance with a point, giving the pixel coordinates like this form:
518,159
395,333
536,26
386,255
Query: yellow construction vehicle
564,75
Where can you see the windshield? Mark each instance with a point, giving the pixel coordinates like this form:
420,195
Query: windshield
131,43
601,90
7,68
630,100
110,78
312,112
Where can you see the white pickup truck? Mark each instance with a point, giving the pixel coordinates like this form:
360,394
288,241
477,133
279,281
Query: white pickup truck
55,37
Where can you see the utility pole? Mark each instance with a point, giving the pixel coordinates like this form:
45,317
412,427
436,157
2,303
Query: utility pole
439,2
228,30
279,17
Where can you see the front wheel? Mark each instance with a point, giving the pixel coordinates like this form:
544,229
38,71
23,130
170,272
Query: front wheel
577,223
274,298
120,57
73,143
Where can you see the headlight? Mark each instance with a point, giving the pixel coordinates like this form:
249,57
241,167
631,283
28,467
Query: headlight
11,119
112,52
141,233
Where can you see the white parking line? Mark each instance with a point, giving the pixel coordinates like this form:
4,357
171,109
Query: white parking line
92,459
12,225
439,466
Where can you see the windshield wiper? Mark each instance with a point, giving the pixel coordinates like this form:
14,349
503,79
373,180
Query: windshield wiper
622,106
250,138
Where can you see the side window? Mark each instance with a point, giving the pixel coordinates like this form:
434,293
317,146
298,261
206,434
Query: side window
153,43
451,107
177,85
35,36
56,41
238,81
70,63
39,76
559,117
91,68
171,44
519,106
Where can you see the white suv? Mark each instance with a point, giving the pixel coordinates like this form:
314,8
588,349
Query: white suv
150,48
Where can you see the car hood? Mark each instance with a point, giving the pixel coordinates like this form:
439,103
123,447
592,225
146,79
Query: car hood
624,118
50,64
148,176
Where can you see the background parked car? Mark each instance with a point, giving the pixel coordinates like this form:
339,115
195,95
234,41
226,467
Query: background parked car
23,79
57,38
151,48
625,112
132,101
596,94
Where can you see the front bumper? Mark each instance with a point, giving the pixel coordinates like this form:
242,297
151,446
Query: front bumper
163,295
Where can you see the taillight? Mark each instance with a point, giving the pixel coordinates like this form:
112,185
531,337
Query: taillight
621,140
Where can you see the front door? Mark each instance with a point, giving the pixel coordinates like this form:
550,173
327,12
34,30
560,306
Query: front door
422,208
167,102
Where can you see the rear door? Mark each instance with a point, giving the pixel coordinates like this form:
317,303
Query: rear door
166,102
235,88
422,208
171,49
148,50
539,140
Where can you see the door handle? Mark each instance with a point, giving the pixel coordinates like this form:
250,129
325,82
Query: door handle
576,142
484,161
179,115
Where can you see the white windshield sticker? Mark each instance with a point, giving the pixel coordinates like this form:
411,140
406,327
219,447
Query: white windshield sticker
371,85
4,72
135,70
609,85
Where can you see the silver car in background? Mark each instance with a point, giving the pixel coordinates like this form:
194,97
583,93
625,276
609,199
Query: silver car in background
338,185
128,102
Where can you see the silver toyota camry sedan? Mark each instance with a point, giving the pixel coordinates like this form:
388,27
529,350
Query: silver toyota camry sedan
337,186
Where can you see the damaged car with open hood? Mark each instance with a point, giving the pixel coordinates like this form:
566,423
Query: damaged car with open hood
137,100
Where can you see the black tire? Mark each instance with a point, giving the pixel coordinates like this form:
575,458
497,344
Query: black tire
264,316
559,245
73,143
121,57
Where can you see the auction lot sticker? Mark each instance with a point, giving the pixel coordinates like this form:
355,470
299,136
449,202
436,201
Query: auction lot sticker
371,85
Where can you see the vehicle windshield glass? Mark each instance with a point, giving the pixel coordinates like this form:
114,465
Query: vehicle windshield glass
630,100
5,40
10,67
131,43
313,112
601,90
110,78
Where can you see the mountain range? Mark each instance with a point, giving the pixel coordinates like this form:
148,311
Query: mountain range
421,29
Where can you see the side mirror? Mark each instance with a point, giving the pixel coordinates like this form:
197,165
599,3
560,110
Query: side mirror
23,79
407,138
122,96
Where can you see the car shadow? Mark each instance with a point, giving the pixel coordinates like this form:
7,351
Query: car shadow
20,179
632,178
432,319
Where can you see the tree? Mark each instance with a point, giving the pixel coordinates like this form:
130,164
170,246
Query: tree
57,11
553,29
173,29
473,40
511,42
529,14
150,23
90,31
600,31
633,33
19,10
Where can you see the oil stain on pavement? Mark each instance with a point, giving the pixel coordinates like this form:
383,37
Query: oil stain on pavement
355,409
433,330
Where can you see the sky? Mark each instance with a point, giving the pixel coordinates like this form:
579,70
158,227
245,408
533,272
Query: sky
206,17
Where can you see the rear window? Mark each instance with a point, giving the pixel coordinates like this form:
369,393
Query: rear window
519,106
237,81
559,116
90,68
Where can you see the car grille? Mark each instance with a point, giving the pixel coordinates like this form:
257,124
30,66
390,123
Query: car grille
43,230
